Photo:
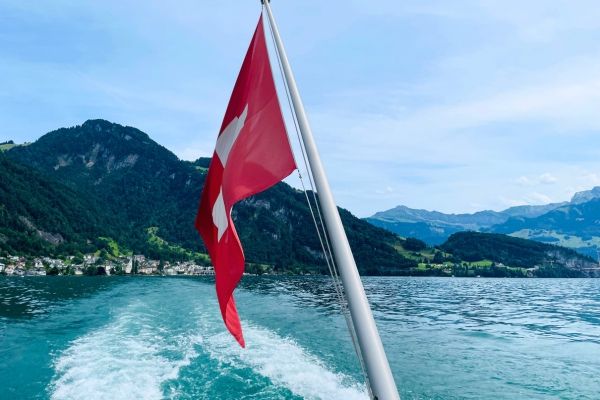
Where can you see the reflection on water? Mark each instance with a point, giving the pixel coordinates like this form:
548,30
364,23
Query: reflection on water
303,290
22,297
564,308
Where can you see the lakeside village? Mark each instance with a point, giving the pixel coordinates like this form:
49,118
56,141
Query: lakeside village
93,265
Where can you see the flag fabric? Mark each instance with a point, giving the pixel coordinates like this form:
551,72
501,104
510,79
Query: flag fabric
252,154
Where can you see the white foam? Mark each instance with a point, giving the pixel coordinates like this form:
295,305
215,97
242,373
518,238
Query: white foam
136,354
119,361
285,363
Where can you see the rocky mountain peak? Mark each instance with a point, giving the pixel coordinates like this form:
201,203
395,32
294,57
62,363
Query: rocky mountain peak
586,195
96,148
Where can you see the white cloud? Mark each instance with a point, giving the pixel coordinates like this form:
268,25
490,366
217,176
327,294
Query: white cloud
547,178
532,198
570,104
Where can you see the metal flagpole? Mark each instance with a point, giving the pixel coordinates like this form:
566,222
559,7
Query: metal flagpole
378,370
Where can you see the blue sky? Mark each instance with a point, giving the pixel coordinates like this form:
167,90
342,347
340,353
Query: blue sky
454,106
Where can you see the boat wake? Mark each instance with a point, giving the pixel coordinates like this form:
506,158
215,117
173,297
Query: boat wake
285,363
127,359
154,352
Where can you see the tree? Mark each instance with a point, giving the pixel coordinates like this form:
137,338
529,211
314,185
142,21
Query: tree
52,271
438,257
134,266
91,270
413,244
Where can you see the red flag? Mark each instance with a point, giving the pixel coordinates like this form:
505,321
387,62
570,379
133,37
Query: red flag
252,154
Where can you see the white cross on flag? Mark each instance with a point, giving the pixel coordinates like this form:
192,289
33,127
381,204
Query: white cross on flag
252,154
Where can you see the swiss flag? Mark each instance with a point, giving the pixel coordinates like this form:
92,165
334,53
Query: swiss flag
252,154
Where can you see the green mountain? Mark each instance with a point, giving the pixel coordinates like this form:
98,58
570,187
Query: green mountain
546,259
113,184
37,213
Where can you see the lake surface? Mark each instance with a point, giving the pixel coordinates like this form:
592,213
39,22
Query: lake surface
163,338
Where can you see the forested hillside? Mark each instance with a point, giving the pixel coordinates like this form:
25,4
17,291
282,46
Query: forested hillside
512,251
114,182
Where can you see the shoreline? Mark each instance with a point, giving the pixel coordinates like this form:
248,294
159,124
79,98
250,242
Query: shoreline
269,275
139,265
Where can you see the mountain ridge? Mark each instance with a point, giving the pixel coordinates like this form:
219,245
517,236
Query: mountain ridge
138,184
536,222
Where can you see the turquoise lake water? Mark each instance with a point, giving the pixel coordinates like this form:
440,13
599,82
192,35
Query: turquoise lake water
162,338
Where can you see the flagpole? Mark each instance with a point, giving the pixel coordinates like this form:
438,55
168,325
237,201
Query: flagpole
378,370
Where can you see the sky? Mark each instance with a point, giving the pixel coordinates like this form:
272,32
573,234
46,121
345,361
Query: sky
453,106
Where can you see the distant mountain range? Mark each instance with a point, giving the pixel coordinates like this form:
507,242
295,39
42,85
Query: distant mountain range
574,224
435,227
